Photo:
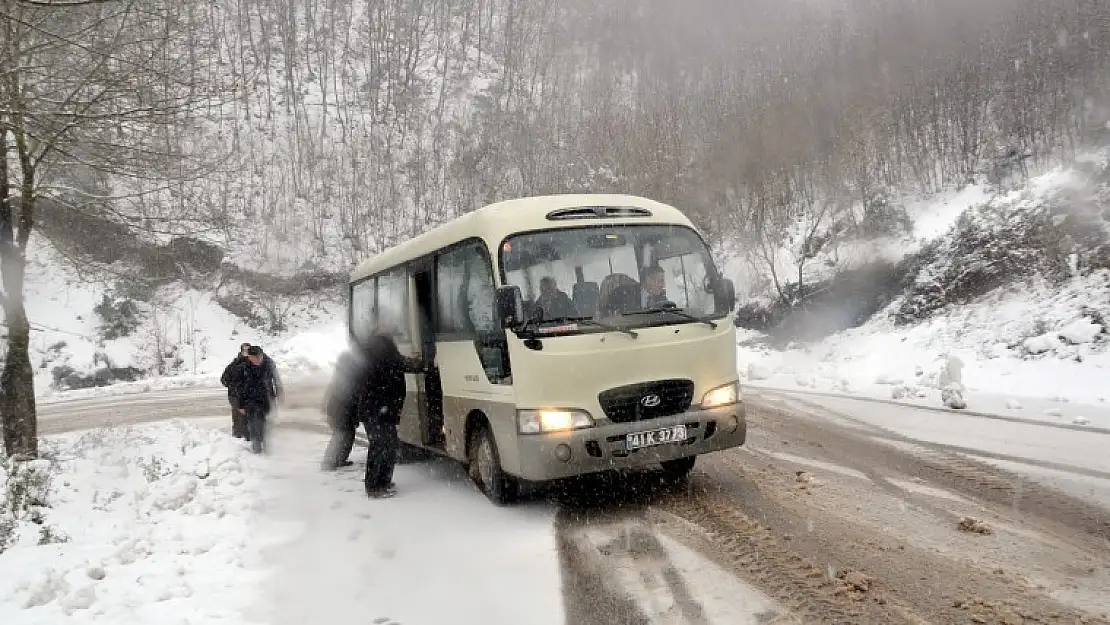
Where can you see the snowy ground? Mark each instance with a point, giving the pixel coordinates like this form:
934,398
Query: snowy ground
176,523
438,552
140,525
1072,460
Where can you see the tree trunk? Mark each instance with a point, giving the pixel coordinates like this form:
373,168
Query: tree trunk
17,381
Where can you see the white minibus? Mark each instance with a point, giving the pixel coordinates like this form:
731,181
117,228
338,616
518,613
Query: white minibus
570,334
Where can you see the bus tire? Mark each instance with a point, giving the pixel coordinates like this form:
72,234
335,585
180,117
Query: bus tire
679,469
485,468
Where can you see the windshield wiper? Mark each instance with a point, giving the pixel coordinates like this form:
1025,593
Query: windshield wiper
674,310
590,322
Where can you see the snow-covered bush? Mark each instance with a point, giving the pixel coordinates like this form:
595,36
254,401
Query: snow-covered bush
883,216
953,396
118,317
1055,236
1082,331
986,248
757,371
26,492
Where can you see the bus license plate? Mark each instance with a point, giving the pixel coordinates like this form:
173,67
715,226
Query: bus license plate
638,440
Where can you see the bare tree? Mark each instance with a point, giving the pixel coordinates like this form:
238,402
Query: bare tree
89,91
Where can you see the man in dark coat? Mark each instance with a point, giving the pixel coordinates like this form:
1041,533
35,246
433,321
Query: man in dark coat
259,387
654,287
380,398
554,303
341,409
229,379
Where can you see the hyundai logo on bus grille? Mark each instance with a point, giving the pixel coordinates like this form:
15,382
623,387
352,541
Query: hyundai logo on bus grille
650,401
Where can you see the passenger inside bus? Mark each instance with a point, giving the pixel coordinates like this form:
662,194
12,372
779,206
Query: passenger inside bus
655,287
619,293
553,303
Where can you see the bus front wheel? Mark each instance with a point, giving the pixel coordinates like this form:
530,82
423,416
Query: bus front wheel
679,469
485,468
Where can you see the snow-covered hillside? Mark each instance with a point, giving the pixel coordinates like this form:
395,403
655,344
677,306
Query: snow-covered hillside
342,138
346,135
1007,292
180,335
1036,336
1033,340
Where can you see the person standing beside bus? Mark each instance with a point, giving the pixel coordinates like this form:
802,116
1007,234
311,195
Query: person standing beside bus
230,379
381,396
341,409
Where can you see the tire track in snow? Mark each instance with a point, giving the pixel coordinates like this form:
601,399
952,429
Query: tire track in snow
617,568
939,465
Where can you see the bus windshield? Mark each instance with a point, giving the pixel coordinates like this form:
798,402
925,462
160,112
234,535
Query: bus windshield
626,276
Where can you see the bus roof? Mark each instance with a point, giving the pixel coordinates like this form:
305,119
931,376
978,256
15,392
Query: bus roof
494,222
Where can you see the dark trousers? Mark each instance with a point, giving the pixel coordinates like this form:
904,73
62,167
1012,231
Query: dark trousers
339,448
381,455
256,426
238,421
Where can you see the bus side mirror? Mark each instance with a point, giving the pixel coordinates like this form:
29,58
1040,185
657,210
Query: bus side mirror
725,294
510,306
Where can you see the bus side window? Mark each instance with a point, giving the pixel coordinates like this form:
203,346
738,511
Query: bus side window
450,311
363,313
480,296
393,293
465,299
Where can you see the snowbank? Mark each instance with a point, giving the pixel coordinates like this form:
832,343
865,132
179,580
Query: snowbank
148,385
305,353
184,339
139,525
1032,340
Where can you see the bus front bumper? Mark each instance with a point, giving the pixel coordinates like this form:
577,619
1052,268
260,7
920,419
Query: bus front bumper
604,447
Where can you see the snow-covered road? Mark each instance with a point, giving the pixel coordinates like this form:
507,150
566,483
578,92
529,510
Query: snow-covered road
1062,455
438,552
837,510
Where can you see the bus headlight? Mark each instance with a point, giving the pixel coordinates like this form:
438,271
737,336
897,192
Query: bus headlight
544,421
722,396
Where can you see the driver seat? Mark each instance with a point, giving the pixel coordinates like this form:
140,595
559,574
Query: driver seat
585,296
618,293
